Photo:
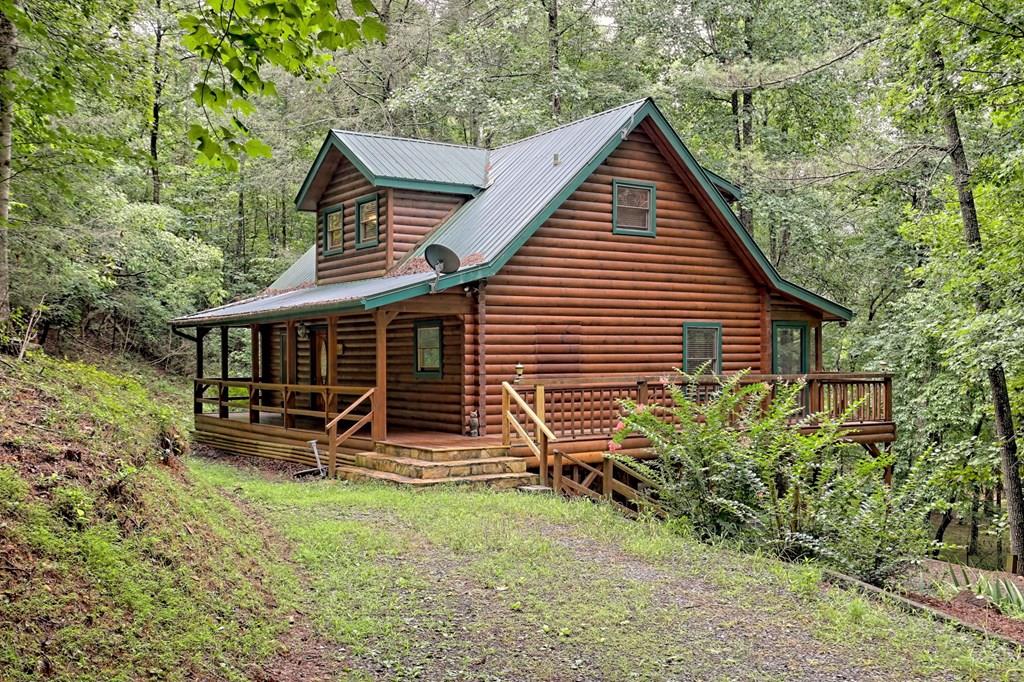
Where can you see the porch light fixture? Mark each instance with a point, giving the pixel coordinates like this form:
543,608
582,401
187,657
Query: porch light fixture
302,331
519,373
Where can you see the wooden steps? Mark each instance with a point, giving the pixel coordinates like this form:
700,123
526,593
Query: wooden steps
422,465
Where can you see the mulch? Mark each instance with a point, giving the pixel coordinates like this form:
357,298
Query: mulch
982,617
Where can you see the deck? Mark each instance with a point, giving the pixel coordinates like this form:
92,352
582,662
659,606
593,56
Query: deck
575,415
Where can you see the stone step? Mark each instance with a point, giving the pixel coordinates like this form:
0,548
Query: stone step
418,468
442,454
496,481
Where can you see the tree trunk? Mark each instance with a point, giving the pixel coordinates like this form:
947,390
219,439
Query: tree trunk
747,123
554,59
154,124
8,37
940,532
972,542
996,375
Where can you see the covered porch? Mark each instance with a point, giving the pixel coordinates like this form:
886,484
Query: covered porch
346,382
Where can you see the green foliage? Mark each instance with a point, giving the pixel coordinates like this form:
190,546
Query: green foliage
734,464
237,40
1002,592
114,571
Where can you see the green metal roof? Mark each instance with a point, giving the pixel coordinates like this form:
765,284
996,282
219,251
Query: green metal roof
401,163
514,189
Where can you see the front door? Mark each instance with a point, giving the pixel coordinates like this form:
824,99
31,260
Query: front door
319,359
790,347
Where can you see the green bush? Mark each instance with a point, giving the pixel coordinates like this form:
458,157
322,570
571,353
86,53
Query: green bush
736,466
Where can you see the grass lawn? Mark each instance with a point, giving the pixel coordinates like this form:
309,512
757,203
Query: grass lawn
115,566
474,585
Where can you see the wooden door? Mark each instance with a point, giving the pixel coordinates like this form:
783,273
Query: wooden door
319,360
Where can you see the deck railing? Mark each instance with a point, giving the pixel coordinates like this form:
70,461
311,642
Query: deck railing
581,407
257,398
540,440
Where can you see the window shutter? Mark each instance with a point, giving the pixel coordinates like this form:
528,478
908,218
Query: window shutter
702,344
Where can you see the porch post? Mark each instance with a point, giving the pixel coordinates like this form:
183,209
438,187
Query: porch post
224,393
254,375
199,388
289,372
379,427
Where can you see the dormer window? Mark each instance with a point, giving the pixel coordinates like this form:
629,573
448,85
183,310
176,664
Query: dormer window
333,227
633,208
367,221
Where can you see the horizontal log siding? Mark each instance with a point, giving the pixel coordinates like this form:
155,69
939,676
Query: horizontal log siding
425,403
415,214
579,299
784,309
347,185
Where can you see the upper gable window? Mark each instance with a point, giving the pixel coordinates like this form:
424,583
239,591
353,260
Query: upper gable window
334,235
633,208
367,221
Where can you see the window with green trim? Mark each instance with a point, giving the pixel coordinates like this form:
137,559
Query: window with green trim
633,208
702,347
429,348
333,228
367,221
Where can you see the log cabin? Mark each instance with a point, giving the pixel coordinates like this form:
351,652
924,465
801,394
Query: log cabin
590,261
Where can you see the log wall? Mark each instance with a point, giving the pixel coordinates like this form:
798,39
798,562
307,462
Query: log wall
413,402
346,185
416,213
578,299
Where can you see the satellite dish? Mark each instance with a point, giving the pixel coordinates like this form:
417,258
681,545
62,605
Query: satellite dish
441,259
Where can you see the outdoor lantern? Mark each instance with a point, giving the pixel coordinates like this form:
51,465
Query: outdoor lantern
302,331
519,373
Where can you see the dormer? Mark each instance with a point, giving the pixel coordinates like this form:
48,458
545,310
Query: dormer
375,197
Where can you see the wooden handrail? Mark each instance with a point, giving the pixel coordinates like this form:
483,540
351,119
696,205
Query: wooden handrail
528,410
348,410
256,390
335,441
560,380
543,435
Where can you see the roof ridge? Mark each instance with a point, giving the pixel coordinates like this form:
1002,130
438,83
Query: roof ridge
572,123
408,139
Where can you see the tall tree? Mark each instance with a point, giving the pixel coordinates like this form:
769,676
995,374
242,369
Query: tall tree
1007,435
8,36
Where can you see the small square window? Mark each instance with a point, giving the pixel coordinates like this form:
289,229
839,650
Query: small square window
633,209
702,347
429,348
367,222
334,234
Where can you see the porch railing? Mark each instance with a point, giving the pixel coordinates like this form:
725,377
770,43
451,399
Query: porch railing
334,440
581,407
257,398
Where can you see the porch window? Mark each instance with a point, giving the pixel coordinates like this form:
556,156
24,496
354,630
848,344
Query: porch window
429,349
333,228
702,347
367,222
633,208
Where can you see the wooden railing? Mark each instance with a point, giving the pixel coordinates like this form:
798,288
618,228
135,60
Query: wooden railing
258,397
581,407
334,440
539,442
611,481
